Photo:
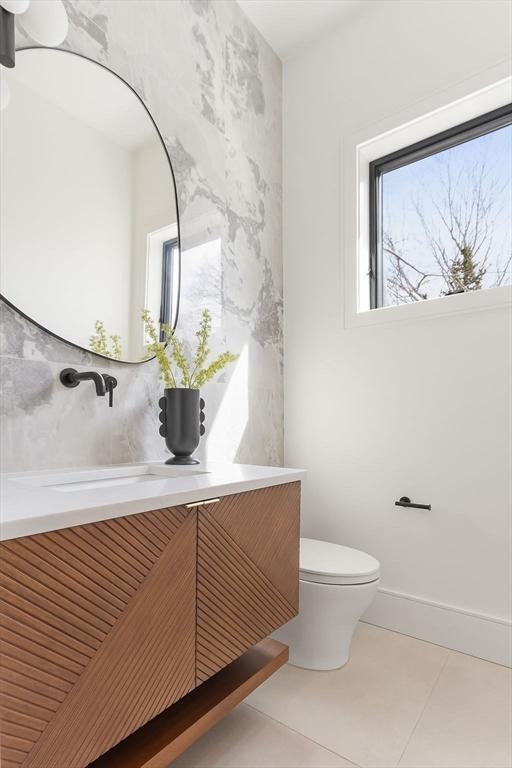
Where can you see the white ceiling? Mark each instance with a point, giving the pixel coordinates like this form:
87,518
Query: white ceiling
287,24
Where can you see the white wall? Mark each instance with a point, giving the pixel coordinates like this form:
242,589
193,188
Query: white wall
418,408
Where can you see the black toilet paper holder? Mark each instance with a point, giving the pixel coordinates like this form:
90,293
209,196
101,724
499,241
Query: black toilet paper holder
405,501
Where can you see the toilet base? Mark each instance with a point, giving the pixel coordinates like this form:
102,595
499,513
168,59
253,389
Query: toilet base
320,636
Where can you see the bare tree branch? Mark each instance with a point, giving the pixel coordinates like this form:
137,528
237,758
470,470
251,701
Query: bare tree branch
459,238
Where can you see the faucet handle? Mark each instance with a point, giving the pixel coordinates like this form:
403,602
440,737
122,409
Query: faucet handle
110,385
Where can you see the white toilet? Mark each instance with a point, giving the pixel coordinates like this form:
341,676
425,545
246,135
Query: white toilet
337,584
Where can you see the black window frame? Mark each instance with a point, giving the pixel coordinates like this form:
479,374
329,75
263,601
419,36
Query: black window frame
169,248
459,134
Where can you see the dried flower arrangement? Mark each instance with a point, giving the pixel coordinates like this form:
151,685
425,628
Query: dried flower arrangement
172,351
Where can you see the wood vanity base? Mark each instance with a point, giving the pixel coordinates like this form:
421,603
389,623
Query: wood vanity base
163,739
106,626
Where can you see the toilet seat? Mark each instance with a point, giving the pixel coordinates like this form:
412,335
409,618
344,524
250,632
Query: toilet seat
326,563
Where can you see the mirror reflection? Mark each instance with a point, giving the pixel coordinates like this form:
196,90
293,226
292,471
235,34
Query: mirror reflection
90,231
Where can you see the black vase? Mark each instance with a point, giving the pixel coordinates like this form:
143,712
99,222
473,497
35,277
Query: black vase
182,416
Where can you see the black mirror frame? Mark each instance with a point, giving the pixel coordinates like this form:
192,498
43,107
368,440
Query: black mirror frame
42,327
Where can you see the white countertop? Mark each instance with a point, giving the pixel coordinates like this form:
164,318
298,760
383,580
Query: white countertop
36,502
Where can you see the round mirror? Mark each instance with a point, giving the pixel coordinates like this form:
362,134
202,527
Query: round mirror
89,218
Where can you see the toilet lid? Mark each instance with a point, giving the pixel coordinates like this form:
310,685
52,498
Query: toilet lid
328,563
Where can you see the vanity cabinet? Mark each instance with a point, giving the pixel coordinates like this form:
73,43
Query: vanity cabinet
106,625
247,572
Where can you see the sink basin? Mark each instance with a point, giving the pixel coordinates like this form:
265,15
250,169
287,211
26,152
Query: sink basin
83,480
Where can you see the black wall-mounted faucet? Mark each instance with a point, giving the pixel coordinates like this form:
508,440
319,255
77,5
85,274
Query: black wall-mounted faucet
103,382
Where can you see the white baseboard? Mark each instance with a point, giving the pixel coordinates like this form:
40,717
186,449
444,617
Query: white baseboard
479,635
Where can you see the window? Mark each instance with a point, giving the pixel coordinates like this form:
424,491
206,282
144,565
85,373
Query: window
441,214
162,279
169,264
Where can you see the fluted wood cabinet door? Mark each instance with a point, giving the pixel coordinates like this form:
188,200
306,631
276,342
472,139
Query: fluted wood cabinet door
97,634
247,572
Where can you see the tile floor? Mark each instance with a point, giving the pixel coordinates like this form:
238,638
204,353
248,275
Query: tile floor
398,702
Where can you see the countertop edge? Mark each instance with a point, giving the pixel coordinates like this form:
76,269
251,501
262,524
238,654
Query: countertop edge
30,526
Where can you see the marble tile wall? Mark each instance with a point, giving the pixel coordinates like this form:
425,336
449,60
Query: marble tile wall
213,86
